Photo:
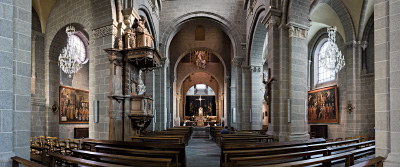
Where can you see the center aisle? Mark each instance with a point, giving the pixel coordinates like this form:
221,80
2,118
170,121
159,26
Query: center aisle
202,153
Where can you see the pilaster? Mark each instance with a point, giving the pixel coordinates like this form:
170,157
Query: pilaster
272,22
296,66
160,96
236,117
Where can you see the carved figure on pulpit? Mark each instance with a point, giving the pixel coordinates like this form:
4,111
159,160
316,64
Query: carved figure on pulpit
141,88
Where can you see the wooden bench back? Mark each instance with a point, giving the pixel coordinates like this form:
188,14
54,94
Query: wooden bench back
18,160
377,161
54,157
244,146
124,159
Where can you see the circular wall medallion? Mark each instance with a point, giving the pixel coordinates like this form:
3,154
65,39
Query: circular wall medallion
350,108
54,108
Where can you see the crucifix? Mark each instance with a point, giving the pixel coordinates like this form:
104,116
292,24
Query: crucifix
267,94
200,99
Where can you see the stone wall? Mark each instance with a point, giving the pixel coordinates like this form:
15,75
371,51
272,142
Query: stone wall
90,15
15,53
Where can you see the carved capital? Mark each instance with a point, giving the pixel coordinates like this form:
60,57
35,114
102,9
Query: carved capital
238,61
164,62
114,57
272,19
255,69
297,32
364,45
105,31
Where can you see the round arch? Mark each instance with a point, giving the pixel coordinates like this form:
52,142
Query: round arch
172,28
345,18
185,77
195,49
256,36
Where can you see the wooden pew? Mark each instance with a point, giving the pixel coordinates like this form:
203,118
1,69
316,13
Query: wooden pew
185,127
378,161
171,133
230,149
18,160
181,137
359,153
123,159
91,143
350,146
332,144
265,139
72,160
147,153
214,130
41,156
270,158
325,159
159,139
249,146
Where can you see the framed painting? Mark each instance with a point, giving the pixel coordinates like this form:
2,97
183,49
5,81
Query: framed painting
74,105
323,105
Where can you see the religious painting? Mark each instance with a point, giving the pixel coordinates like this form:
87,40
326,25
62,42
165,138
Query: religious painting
200,59
74,105
323,105
200,106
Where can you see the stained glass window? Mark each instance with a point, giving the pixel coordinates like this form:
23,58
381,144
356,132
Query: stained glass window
324,75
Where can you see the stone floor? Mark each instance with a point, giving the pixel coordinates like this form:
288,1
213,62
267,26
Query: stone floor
202,153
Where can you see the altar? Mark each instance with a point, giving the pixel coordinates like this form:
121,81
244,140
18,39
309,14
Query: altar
200,121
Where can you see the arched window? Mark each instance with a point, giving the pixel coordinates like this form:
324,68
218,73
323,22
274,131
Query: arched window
324,75
79,49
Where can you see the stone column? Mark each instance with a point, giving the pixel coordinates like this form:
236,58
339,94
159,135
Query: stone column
271,22
160,98
297,79
394,73
237,91
256,97
15,90
150,91
351,74
246,110
382,79
227,107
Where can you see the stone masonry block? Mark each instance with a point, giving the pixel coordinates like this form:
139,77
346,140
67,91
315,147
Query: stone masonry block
22,85
6,28
6,59
24,42
23,103
6,141
24,4
6,100
23,69
6,79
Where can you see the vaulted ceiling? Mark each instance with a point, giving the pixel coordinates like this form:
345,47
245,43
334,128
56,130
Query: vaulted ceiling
43,9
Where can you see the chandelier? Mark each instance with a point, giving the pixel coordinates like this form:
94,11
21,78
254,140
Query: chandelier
331,58
70,59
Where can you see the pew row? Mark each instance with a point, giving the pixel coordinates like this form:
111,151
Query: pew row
16,161
146,153
123,159
90,144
